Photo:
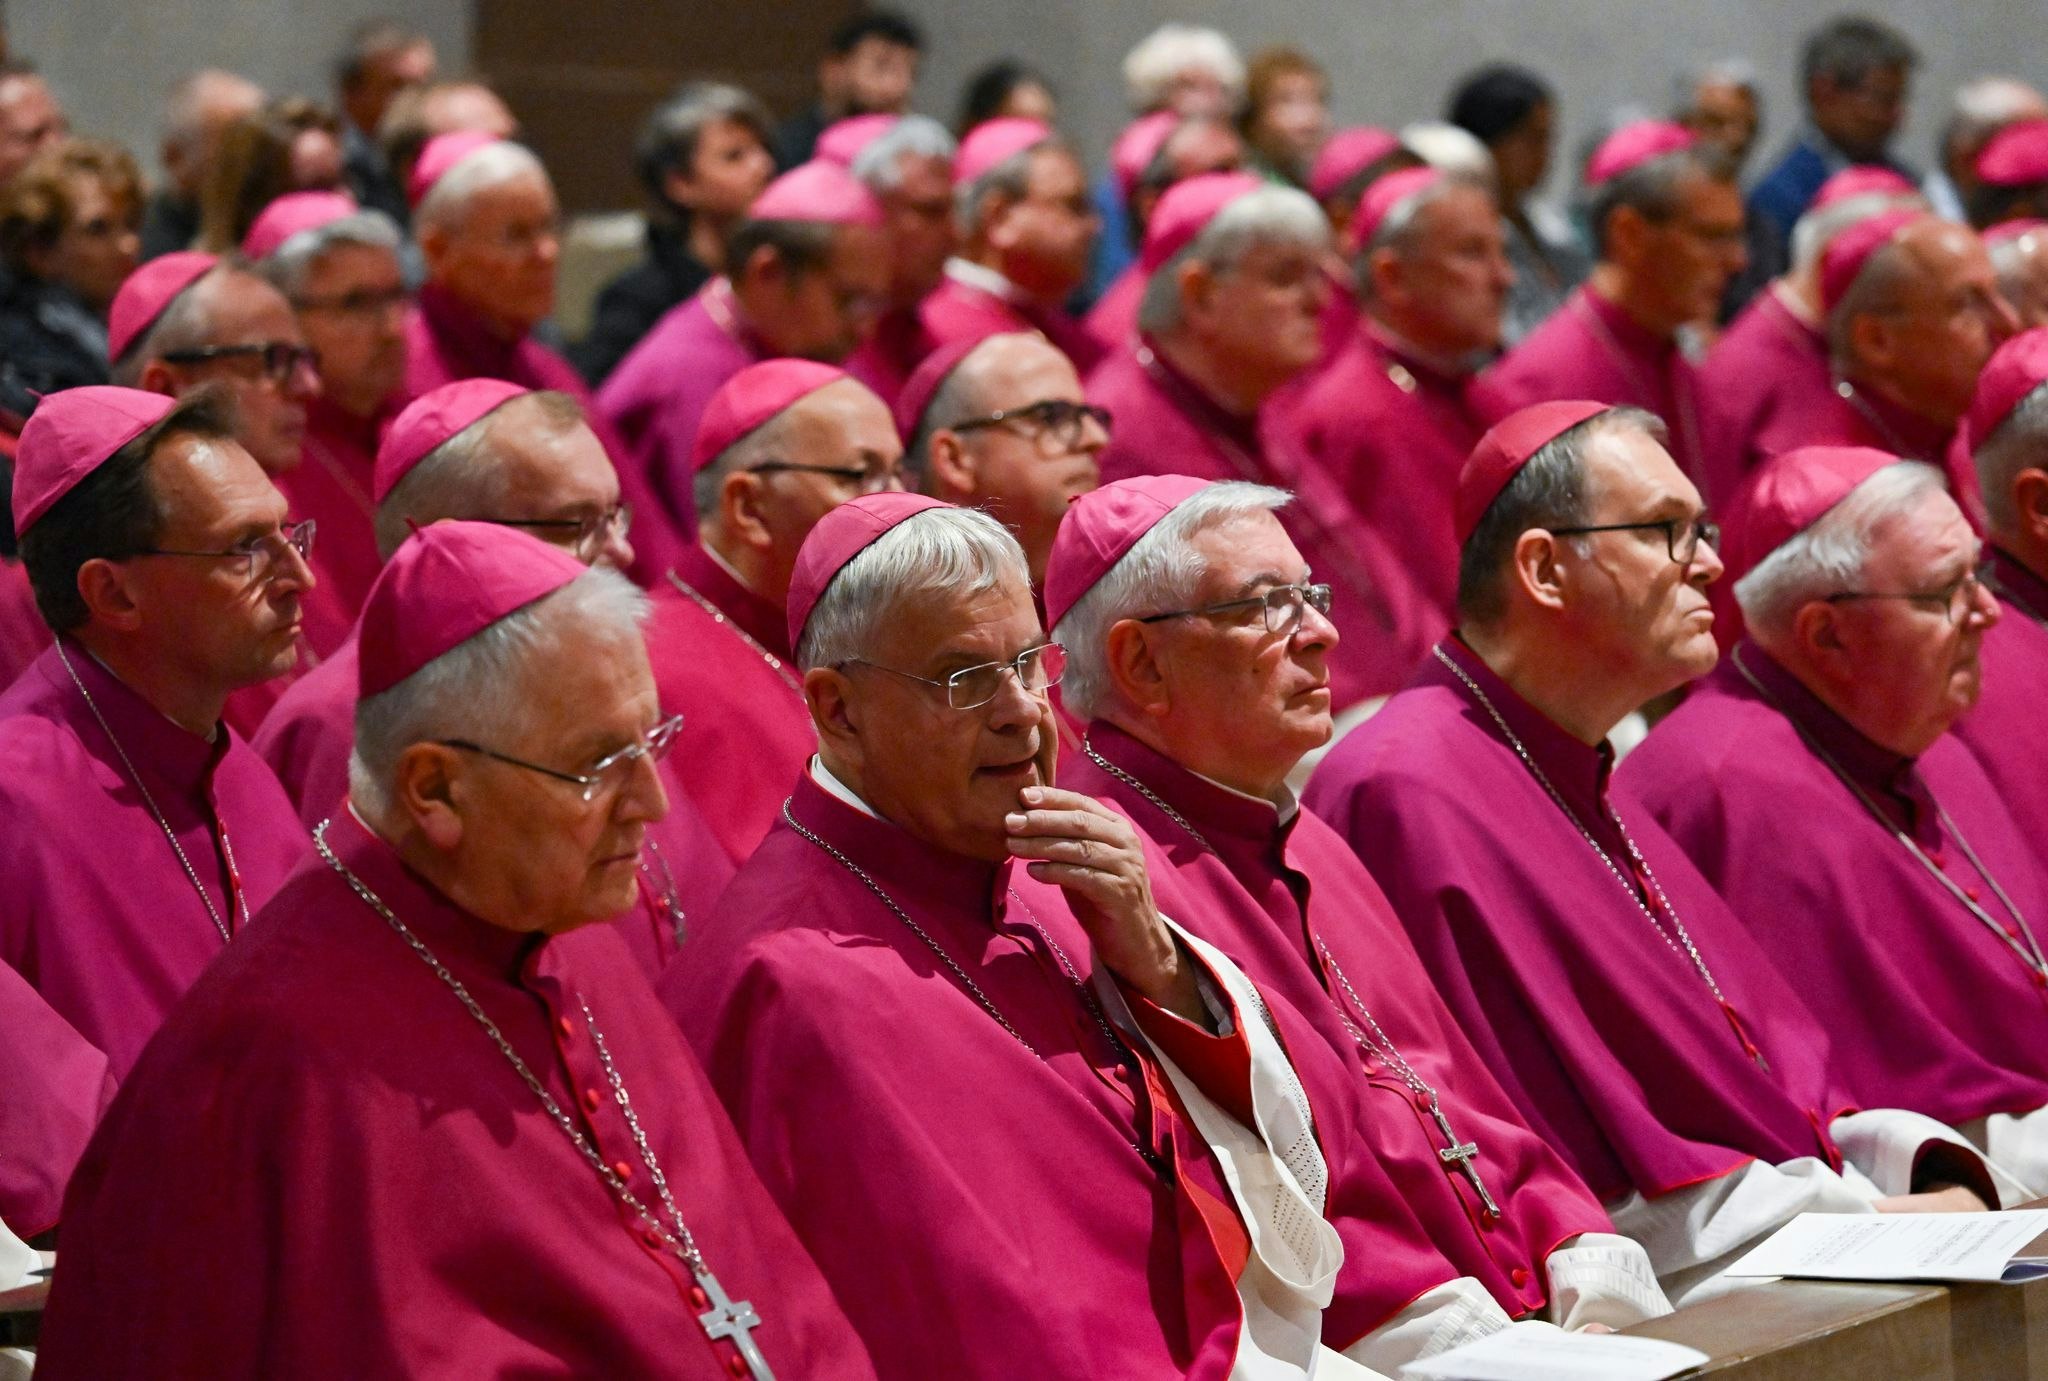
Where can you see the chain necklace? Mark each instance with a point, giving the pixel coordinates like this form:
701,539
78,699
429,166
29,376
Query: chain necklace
1124,1052
719,617
1455,1154
2029,953
725,1318
238,898
1682,945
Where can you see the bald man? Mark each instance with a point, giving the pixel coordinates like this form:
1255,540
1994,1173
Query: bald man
196,113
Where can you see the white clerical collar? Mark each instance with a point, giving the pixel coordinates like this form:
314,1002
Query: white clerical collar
1285,802
833,787
982,276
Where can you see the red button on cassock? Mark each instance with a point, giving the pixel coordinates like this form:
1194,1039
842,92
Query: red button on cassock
1422,1101
622,1170
737,1366
1520,1276
567,1027
592,1100
698,1299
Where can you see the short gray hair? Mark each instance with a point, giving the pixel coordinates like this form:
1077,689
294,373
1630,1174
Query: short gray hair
1448,147
2018,443
481,688
446,204
1829,556
1160,572
957,551
1735,72
1270,215
1549,491
1652,188
1010,178
1813,232
879,166
1401,230
463,477
1159,59
291,263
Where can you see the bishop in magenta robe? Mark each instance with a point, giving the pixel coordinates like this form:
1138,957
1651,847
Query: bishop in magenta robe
395,1198
53,1087
1769,377
331,485
23,634
2003,731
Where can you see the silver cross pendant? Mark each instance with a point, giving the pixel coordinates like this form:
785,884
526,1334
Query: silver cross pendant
1459,1156
736,1321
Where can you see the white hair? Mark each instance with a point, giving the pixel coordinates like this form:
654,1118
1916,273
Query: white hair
447,202
958,551
1735,72
484,687
2012,260
2018,443
291,263
1270,215
1813,232
1160,58
465,476
1982,107
1447,147
1160,572
879,166
1010,178
1400,228
1830,555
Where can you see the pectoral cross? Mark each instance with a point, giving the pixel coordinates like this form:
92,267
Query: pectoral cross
1458,1156
735,1321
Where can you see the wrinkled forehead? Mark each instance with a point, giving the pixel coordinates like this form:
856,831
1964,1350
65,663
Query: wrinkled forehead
1929,536
951,627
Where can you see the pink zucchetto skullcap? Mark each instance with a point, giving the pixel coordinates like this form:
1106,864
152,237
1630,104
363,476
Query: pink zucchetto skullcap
1382,197
926,380
996,141
445,584
291,214
2014,370
1345,155
439,157
841,535
1789,493
431,419
70,435
1633,145
1099,530
1503,451
752,396
1185,209
1848,252
2016,156
1137,146
843,140
2012,230
1863,180
145,293
820,192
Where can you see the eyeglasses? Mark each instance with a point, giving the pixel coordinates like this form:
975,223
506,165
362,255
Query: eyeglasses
1281,605
1681,539
590,532
368,302
1050,419
1955,599
866,481
256,560
279,359
607,774
1037,669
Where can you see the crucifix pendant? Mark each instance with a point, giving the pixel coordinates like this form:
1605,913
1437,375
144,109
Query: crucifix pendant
725,1319
1459,1156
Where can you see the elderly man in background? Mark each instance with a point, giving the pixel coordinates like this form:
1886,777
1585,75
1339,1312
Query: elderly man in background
339,269
418,114
1231,316
908,164
162,558
1001,424
806,275
1666,219
445,950
1064,1089
31,119
702,157
1390,418
2008,427
382,58
1980,108
1198,659
1021,198
1812,777
196,114
2019,258
782,444
1633,1020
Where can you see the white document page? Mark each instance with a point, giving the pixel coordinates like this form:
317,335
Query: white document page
1987,1247
1540,1352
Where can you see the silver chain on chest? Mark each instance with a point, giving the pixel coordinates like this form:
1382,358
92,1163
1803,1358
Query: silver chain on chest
725,621
240,895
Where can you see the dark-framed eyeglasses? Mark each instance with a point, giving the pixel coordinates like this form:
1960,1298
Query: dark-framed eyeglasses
1281,607
603,777
1037,669
1681,538
585,536
864,480
1056,420
278,359
257,559
1955,599
367,302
